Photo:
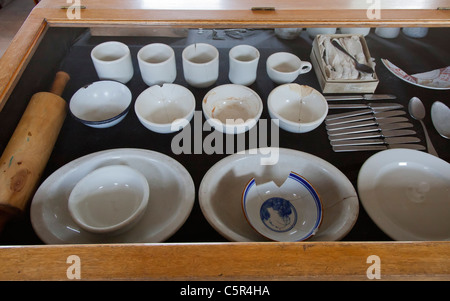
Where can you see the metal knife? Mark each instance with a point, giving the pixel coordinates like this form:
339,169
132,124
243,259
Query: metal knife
334,127
395,140
371,128
357,113
360,97
354,148
385,134
374,115
374,106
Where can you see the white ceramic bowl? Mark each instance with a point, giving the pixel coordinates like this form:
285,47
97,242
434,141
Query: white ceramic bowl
109,199
101,104
231,108
165,109
290,212
298,108
220,191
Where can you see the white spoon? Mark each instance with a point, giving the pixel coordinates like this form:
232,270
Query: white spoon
440,115
417,111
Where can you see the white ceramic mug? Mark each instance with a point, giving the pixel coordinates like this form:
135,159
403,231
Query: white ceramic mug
355,30
112,61
415,32
285,67
157,64
243,64
200,65
387,32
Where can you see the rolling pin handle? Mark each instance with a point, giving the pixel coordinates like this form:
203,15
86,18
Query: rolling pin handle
59,83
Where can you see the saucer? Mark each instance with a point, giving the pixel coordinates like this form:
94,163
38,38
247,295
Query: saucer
407,194
171,200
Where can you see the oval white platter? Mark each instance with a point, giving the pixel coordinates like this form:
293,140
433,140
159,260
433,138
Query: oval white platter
407,194
171,199
221,190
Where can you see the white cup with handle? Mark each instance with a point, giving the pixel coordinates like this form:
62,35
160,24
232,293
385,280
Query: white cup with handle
285,67
157,64
200,65
112,61
243,64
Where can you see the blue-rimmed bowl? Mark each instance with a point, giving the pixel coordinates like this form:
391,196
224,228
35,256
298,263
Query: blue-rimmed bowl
290,212
101,104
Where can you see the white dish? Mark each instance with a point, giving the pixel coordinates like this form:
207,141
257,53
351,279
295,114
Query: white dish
165,109
290,212
171,200
101,104
407,194
298,108
232,109
220,192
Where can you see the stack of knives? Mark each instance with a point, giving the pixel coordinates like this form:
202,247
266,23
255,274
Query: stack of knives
369,126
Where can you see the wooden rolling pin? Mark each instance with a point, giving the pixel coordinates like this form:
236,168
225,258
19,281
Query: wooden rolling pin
27,153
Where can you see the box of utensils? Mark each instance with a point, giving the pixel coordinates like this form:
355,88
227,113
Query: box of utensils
343,64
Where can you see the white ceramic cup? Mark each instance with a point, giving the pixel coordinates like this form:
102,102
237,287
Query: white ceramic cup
285,67
312,31
112,61
415,32
243,64
387,32
157,64
200,65
355,30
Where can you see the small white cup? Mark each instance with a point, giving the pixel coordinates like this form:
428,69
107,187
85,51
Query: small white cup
285,67
200,65
112,61
313,32
387,32
356,30
157,64
415,32
243,64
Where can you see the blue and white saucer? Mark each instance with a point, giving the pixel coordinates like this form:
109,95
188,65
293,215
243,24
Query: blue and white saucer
290,212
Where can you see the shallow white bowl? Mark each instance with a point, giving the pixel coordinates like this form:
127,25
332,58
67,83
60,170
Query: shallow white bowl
232,109
109,199
101,104
172,196
290,212
298,108
406,193
220,191
165,109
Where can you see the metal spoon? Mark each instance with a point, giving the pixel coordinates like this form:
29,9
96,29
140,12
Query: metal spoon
417,111
440,116
358,66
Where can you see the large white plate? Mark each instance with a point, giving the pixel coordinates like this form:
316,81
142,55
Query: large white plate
407,194
221,190
172,195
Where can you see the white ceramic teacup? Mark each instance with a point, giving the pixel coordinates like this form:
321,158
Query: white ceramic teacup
200,65
387,32
285,67
243,64
157,64
313,31
112,61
